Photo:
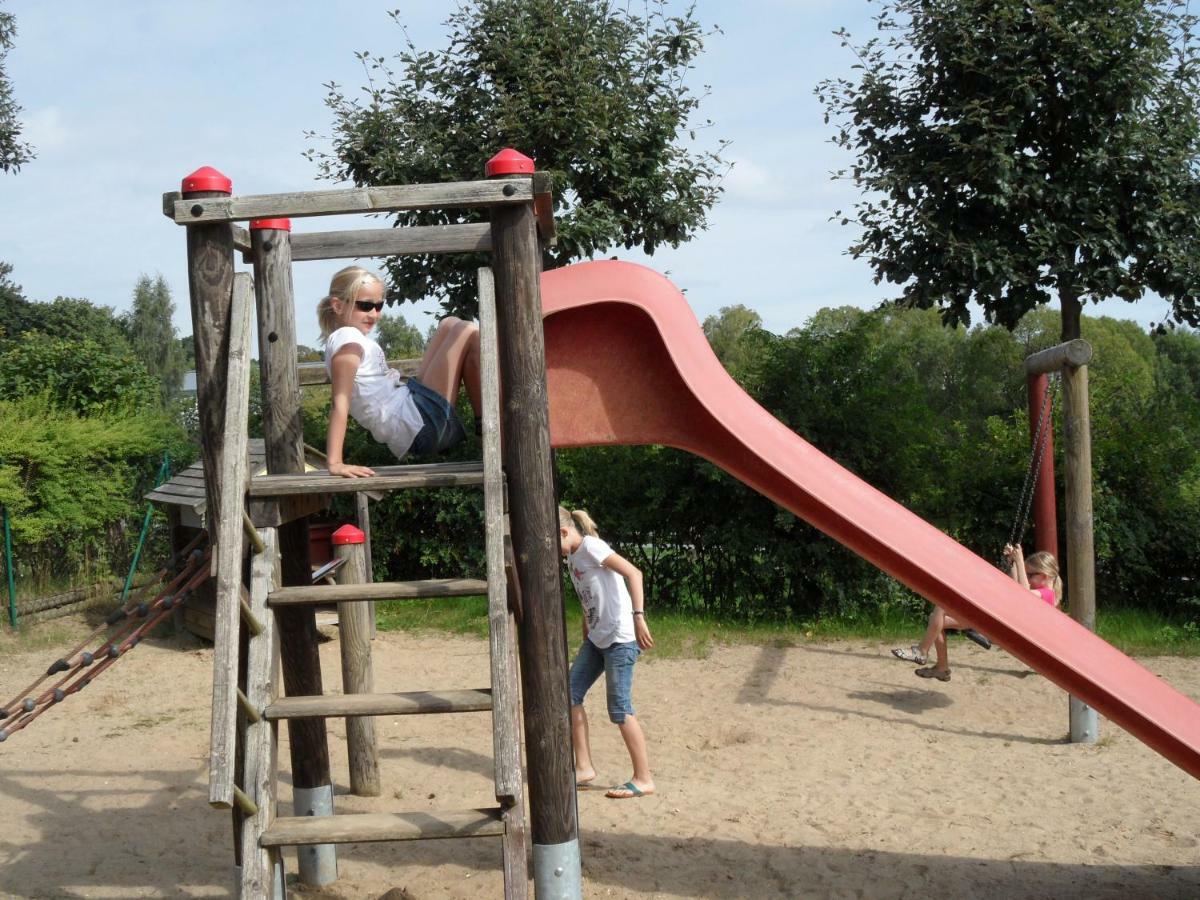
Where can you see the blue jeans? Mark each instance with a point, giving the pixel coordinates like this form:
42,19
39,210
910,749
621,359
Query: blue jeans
616,662
442,429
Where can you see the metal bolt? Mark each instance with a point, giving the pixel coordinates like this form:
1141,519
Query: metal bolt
267,245
272,337
558,872
509,190
197,209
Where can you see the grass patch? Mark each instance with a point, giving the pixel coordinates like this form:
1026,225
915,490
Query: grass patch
693,636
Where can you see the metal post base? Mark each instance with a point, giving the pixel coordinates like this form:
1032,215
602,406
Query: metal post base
1085,724
318,862
557,871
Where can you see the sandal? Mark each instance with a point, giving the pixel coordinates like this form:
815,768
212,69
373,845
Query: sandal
932,672
911,654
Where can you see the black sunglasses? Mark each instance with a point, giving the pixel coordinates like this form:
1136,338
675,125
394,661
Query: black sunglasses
367,306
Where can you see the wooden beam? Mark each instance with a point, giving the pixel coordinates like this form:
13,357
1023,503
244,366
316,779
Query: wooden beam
1072,353
516,262
229,533
451,195
474,237
361,828
380,590
424,475
543,208
410,703
358,673
316,373
283,440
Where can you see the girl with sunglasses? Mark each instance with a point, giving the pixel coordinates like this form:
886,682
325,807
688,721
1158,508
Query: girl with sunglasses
416,416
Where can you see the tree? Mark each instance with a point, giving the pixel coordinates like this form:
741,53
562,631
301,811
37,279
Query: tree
13,151
1011,149
151,333
398,339
593,92
725,333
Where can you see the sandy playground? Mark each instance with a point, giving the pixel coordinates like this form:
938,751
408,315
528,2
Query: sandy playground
819,770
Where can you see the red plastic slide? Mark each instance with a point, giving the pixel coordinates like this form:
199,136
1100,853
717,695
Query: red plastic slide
627,363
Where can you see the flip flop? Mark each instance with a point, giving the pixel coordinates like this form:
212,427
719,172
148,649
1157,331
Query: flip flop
631,791
588,785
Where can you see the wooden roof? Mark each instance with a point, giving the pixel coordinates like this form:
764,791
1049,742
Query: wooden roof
187,488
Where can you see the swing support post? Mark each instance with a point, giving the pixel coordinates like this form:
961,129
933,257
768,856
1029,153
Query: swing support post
1072,358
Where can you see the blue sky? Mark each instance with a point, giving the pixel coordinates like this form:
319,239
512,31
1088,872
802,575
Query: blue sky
122,99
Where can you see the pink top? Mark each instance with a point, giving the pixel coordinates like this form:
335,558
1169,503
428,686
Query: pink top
1047,594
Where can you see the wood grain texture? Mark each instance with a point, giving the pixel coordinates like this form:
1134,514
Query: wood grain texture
366,827
389,478
450,195
229,535
358,674
469,238
381,590
411,703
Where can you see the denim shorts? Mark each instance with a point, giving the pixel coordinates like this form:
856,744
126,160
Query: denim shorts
616,662
442,429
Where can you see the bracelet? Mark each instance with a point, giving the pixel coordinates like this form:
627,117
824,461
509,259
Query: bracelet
638,612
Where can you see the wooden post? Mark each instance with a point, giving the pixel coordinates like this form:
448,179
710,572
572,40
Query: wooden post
1045,509
526,446
354,633
362,509
283,438
210,291
1081,560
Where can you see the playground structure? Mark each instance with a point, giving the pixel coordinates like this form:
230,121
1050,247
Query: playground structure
278,622
625,362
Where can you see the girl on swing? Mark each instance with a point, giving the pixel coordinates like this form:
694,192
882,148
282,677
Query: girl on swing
417,416
1038,575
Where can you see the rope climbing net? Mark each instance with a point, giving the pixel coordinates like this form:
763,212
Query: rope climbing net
134,621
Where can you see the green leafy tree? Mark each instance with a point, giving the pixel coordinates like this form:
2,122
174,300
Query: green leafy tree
595,93
1012,150
397,338
82,375
727,334
13,151
151,333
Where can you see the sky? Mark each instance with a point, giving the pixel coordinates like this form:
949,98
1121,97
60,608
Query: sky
123,98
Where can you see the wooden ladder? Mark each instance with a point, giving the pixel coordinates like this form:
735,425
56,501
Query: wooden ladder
263,833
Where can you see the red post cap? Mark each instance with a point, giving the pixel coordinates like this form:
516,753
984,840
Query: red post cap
508,162
271,224
348,534
206,178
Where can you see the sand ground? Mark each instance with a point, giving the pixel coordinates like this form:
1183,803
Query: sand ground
819,770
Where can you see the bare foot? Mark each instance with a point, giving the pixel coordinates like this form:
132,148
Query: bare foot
629,790
583,779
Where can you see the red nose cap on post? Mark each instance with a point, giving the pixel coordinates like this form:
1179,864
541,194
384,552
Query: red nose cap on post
348,534
271,225
508,162
206,178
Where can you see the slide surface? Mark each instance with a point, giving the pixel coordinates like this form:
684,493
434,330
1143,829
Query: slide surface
627,363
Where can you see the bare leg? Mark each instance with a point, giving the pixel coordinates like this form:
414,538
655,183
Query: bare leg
933,631
635,743
451,358
584,770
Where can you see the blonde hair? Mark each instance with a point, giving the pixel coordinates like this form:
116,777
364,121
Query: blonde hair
577,519
1044,563
345,286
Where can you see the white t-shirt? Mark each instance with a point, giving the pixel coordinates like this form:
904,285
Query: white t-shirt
607,605
379,402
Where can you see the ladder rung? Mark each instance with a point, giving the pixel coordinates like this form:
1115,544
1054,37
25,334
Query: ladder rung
410,703
425,475
380,590
294,831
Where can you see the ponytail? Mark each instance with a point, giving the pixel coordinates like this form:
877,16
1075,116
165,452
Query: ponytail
577,519
1045,563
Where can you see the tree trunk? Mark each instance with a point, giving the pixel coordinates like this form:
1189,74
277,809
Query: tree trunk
1072,311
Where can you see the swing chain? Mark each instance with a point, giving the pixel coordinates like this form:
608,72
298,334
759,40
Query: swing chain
1040,439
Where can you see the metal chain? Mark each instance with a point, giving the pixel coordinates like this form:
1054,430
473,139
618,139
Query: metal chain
1040,439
